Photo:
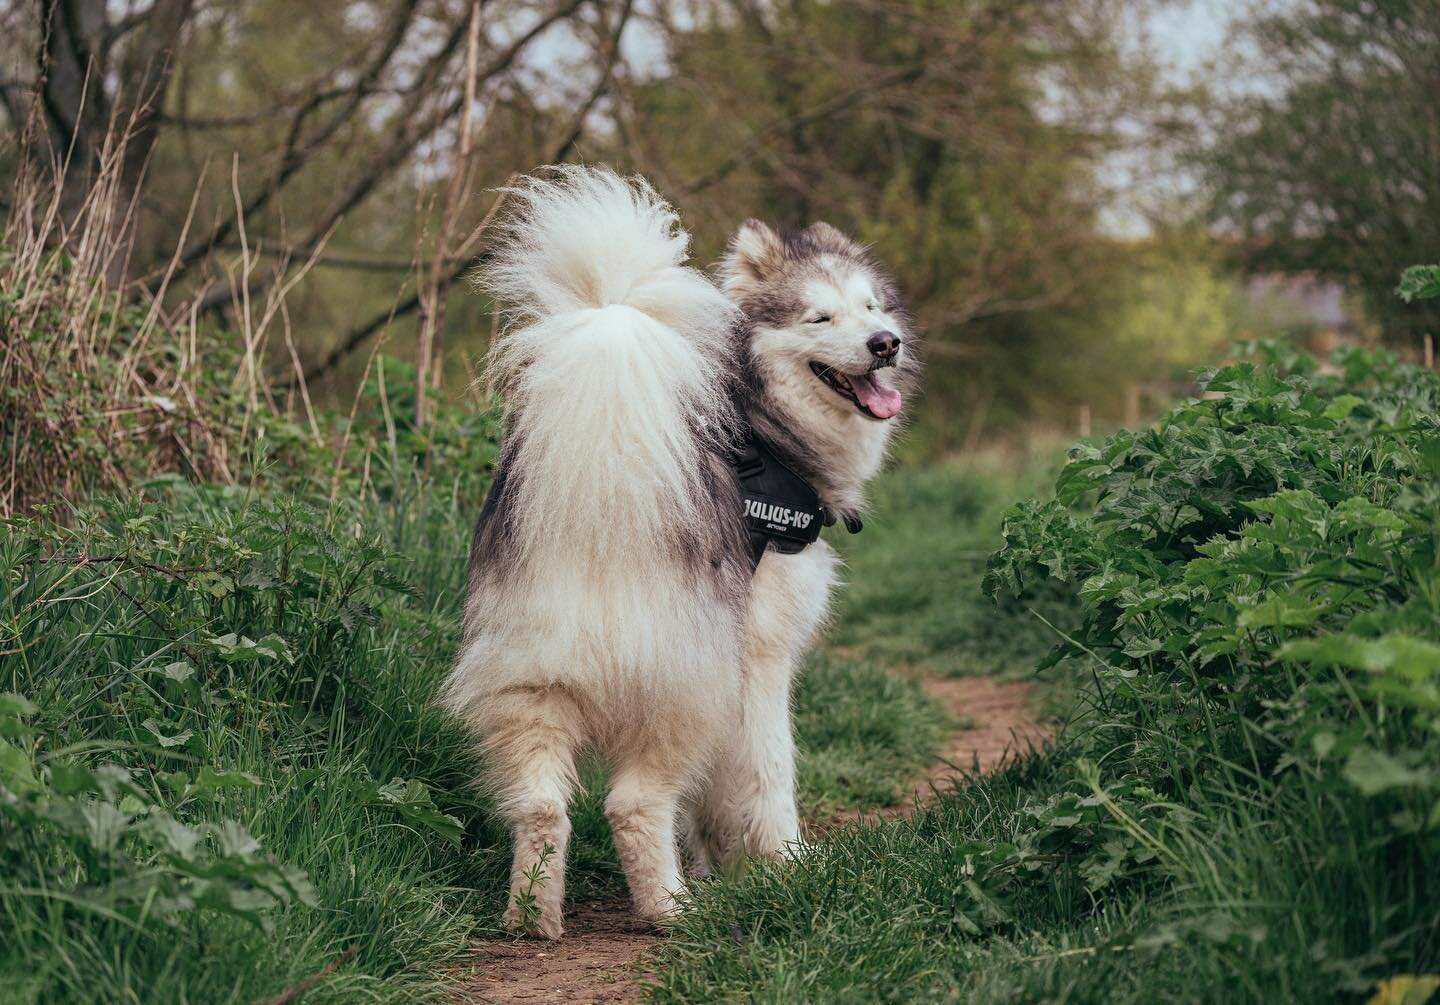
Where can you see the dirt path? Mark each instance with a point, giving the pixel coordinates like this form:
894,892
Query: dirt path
595,961
996,726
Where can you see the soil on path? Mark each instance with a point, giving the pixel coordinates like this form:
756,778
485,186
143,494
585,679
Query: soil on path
596,960
996,725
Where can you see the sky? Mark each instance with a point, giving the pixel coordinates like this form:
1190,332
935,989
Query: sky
1185,37
1189,33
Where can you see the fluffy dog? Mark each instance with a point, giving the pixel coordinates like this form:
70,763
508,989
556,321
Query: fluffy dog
612,604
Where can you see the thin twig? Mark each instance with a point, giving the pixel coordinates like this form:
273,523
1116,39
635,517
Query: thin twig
293,992
359,336
823,110
432,312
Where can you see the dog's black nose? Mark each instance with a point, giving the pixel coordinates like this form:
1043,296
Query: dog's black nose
883,345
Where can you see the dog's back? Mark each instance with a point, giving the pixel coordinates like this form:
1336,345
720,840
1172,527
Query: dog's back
609,567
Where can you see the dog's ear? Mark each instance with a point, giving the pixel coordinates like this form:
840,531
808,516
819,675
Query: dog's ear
756,254
832,241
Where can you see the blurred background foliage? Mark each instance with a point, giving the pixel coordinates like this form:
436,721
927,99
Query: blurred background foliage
1077,227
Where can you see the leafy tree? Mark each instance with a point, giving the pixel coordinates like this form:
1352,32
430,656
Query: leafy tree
964,141
1330,162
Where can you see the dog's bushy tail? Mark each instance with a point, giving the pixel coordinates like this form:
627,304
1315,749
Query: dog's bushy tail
616,362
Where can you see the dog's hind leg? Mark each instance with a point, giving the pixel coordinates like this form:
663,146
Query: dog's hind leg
646,786
531,735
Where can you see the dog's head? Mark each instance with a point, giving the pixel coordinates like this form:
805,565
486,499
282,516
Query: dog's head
826,321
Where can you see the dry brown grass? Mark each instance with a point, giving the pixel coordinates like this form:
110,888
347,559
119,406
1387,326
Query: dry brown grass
106,386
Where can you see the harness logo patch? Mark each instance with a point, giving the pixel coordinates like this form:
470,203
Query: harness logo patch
775,514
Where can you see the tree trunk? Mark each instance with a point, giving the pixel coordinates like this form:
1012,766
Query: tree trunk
92,134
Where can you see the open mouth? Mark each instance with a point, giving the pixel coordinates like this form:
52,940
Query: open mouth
873,399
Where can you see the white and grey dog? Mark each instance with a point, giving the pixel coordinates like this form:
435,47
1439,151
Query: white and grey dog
612,605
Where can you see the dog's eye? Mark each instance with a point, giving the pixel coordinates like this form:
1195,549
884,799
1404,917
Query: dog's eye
872,306
819,319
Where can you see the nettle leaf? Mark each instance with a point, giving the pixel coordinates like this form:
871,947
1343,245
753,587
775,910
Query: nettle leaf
1419,282
1279,611
104,823
179,672
1374,771
181,840
216,585
178,740
1428,452
17,705
68,779
1342,406
211,778
1357,513
16,772
260,574
233,648
1404,655
14,710
1294,504
234,839
1101,868
411,799
1141,646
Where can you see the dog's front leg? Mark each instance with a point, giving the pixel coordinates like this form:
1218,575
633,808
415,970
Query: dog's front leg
762,787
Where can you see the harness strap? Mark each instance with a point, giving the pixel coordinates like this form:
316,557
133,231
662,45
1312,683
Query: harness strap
781,509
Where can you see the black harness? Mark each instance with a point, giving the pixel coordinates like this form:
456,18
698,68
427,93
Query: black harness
781,510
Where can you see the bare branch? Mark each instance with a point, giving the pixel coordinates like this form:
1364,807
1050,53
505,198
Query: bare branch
296,156
568,140
822,111
385,162
432,304
338,260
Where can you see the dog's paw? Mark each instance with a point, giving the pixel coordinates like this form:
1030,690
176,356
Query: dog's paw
532,925
659,908
789,851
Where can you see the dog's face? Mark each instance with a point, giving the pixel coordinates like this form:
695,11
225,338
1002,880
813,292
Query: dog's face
826,321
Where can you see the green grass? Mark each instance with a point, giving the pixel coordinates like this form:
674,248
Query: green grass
863,733
890,913
1289,902
912,599
316,733
263,668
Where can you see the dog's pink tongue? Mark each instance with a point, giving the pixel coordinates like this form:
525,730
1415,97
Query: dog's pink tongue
881,401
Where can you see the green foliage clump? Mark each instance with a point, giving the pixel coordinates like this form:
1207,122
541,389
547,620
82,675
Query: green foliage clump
1258,571
1247,804
1258,579
218,742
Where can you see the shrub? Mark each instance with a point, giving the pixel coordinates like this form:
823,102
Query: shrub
210,692
1259,577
